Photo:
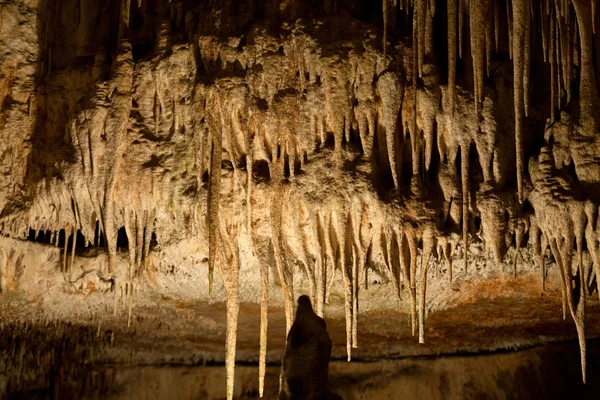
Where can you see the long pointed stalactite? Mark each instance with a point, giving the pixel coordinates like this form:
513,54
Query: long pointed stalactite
520,21
214,193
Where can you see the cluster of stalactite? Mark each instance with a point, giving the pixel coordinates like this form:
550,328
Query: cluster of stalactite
180,144
566,28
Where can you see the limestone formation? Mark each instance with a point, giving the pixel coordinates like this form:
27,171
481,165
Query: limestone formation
315,148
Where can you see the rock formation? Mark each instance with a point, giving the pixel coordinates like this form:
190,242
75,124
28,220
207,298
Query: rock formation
323,141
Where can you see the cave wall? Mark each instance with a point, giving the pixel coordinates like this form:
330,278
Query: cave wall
308,138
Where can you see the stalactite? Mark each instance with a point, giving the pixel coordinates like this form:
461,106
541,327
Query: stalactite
128,220
535,237
421,10
452,54
149,228
588,91
214,193
413,246
385,6
414,136
526,56
489,31
249,147
594,17
509,11
520,15
229,263
124,19
309,248
562,254
559,70
73,243
461,19
264,322
332,250
496,24
355,252
279,247
544,29
348,260
393,259
544,246
116,124
428,35
65,250
139,240
478,31
428,246
519,233
464,174
551,56
591,239
321,266
571,51
391,91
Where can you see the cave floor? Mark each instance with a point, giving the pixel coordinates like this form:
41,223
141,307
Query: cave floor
65,337
165,331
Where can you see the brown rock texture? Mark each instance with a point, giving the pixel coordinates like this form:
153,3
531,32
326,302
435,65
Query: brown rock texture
381,155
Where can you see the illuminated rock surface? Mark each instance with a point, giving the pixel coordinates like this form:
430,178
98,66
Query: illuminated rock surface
166,166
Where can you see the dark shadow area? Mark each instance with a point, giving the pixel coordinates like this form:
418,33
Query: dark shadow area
305,368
